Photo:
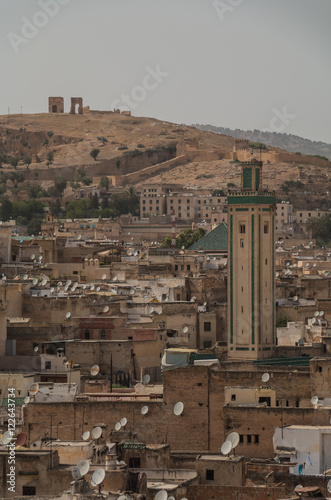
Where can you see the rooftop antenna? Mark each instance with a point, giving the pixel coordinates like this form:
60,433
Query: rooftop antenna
26,400
178,408
105,309
146,379
97,477
68,315
123,422
21,439
86,435
33,389
94,370
104,276
144,410
6,438
265,377
118,426
161,495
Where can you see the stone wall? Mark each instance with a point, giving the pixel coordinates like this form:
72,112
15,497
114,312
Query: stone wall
202,492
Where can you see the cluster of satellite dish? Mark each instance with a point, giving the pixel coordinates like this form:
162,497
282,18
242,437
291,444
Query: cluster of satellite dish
7,437
82,468
230,443
317,319
121,424
132,253
163,495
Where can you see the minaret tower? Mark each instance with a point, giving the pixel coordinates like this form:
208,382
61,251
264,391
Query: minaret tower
251,268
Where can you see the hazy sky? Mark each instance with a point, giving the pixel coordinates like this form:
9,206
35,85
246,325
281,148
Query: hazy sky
246,64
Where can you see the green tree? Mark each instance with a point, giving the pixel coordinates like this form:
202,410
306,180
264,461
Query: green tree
104,182
50,157
34,225
185,239
133,200
60,184
6,210
27,162
94,153
94,204
56,207
13,161
321,228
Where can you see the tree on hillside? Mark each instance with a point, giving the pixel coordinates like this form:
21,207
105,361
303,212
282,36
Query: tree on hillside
60,184
104,182
185,239
133,199
94,153
6,210
50,157
321,228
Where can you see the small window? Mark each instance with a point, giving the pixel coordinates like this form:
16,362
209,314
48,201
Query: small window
28,491
178,296
242,309
207,344
266,262
242,288
241,438
87,334
176,267
249,438
241,243
266,228
103,334
74,272
188,267
207,326
242,228
320,369
209,475
256,439
48,365
233,397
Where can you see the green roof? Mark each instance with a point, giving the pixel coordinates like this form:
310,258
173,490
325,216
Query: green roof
216,240
283,361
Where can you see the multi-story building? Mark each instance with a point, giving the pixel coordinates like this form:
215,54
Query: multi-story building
303,216
251,242
284,215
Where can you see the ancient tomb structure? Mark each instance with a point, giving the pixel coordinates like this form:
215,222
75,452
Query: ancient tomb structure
74,102
55,105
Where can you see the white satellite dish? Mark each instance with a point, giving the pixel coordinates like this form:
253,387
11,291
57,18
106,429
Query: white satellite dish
321,313
114,278
129,253
83,466
313,321
68,283
35,282
314,400
193,299
316,313
146,379
92,288
150,310
79,237
104,276
144,410
118,426
178,408
135,253
131,291
68,315
52,290
6,438
234,439
94,370
86,435
76,473
265,377
32,256
97,289
60,283
329,486
97,477
105,309
25,277
26,400
295,298
277,274
66,288
96,433
299,486
161,495
84,287
123,421
226,447
33,389
185,329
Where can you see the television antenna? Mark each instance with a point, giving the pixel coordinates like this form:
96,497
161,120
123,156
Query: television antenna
68,315
161,495
34,388
226,447
144,410
146,379
314,400
94,370
265,377
104,276
105,309
86,435
123,422
118,426
21,439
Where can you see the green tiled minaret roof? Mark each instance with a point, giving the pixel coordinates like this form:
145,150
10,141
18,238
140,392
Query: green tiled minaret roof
216,240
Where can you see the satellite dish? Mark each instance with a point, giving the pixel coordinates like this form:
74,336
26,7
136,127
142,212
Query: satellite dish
68,283
234,439
79,237
25,277
314,400
114,279
129,253
301,342
104,276
34,388
329,486
321,313
34,282
94,370
86,435
92,288
307,265
83,466
105,309
118,426
97,289
26,400
135,253
84,287
52,290
265,377
178,408
123,421
204,304
316,313
295,298
150,310
185,329
32,256
161,495
313,321
66,288
60,283
68,315
131,291
96,433
40,258
144,410
21,439
76,473
6,438
146,379
299,486
226,447
36,349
